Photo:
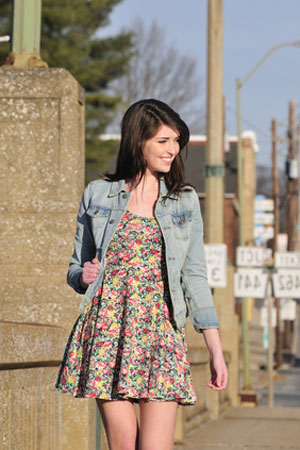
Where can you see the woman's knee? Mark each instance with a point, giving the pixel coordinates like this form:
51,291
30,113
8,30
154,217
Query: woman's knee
120,424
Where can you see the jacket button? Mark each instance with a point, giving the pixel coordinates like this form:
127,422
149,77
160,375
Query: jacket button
111,221
124,195
181,221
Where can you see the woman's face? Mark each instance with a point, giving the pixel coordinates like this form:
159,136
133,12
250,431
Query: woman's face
160,151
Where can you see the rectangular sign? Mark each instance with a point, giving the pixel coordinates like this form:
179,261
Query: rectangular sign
264,218
250,283
263,232
266,204
249,256
216,262
287,259
288,309
286,283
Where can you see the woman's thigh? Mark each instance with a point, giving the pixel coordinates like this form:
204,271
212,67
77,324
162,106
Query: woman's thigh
120,423
157,425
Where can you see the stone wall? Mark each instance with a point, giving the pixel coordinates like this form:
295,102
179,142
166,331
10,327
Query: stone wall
41,181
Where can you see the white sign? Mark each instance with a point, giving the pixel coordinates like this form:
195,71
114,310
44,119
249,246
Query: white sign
288,309
250,256
264,218
264,232
216,259
286,283
250,283
282,242
287,259
266,204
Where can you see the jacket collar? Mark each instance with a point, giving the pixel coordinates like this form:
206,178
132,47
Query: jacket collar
163,189
116,188
119,186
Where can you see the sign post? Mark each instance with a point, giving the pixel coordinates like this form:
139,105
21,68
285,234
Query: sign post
250,280
270,344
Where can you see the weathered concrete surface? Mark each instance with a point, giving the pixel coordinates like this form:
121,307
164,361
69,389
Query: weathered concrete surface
41,181
210,404
23,343
229,332
243,428
34,416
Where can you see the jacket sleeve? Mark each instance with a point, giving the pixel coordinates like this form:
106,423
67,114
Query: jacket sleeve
84,244
194,277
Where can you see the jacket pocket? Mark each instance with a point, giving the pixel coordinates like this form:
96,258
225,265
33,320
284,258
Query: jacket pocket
98,212
182,224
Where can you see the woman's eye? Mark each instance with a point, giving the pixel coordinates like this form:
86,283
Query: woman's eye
161,142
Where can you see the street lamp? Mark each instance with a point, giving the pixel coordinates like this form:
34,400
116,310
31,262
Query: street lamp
239,85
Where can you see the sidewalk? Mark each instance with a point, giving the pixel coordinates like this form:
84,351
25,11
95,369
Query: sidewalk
261,427
245,428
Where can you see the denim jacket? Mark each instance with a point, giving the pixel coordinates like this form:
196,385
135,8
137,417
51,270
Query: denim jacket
102,206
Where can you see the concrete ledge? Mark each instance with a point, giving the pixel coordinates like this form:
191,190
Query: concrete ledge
25,344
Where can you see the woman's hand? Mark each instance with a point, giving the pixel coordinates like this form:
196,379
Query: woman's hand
90,272
218,369
219,374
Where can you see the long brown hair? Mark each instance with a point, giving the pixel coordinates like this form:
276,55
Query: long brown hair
139,124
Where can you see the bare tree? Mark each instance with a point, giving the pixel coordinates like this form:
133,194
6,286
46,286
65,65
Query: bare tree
159,70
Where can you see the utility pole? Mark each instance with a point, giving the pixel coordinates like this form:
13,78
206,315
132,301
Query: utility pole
26,34
214,155
276,231
214,149
298,162
292,193
292,187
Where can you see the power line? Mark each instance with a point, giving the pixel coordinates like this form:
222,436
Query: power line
246,121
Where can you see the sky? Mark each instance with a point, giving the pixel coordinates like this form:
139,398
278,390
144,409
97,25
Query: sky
251,28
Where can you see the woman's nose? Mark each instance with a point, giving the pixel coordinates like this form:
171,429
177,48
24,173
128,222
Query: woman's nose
173,148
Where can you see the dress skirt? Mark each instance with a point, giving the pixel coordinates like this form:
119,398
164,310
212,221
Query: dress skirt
126,345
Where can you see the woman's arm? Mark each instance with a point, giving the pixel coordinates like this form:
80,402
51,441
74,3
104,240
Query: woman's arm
194,275
218,369
84,246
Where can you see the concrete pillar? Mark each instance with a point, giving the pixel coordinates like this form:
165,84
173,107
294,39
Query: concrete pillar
42,178
249,177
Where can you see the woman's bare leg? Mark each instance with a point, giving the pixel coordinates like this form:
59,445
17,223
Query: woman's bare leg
157,425
120,424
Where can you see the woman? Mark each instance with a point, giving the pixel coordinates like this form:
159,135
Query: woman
139,259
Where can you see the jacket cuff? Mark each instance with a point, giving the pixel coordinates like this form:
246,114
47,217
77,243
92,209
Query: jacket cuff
204,318
74,282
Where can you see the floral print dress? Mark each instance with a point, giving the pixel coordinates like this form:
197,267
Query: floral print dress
125,345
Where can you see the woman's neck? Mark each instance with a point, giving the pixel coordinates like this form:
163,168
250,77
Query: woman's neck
143,195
